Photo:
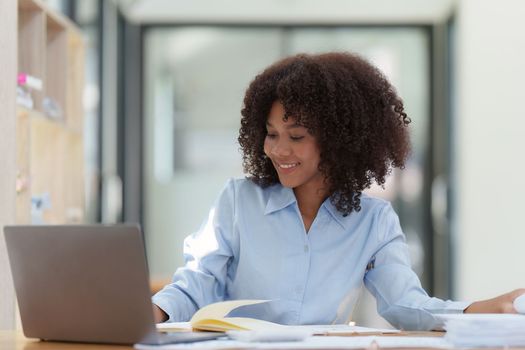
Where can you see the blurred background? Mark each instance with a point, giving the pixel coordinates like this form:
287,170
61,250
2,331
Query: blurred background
164,83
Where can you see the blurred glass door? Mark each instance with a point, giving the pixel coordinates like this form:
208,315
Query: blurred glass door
195,80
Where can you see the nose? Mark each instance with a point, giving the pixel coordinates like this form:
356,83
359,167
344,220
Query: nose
281,148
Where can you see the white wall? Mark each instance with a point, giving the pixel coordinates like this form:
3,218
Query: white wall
490,139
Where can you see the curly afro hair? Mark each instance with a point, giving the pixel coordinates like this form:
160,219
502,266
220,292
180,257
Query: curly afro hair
350,108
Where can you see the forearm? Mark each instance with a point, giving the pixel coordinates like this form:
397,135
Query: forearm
499,304
158,314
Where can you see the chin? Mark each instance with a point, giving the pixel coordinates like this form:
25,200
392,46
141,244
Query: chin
288,184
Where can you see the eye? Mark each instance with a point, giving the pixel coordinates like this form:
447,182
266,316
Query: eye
297,138
271,136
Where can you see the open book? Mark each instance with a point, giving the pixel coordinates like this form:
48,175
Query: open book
213,318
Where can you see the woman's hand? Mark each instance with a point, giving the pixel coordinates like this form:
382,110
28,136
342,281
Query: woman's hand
497,305
158,314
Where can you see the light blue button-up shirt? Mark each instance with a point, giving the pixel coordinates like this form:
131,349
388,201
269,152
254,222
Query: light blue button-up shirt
254,246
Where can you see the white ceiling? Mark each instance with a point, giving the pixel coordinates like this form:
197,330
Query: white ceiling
287,11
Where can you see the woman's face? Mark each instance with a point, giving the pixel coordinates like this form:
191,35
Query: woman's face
292,150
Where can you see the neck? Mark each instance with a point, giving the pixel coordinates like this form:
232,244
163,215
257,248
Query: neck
309,200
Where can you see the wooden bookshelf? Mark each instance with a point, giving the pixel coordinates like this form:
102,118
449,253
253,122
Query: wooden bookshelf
50,152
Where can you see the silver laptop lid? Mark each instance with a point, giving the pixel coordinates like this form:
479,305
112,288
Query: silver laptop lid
81,283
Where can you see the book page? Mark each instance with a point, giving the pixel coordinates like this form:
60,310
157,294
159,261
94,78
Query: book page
212,318
236,323
221,309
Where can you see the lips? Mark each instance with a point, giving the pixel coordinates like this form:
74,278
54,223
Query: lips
286,167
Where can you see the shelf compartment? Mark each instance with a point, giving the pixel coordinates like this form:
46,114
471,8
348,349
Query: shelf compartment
32,45
47,166
75,81
23,144
57,65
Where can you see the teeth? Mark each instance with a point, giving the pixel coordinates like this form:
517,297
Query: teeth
288,166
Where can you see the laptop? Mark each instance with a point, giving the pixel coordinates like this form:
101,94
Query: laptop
85,284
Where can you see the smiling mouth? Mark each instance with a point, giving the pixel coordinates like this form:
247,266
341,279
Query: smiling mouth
288,165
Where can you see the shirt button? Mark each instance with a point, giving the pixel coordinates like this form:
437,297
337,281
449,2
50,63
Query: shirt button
306,248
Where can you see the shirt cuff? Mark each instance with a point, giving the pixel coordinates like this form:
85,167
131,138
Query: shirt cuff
456,307
452,307
174,303
164,305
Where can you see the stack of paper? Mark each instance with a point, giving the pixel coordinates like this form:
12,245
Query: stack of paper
478,330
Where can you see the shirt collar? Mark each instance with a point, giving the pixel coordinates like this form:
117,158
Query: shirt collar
280,198
336,214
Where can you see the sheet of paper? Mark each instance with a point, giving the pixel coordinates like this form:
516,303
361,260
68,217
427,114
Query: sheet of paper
314,343
482,317
174,327
345,329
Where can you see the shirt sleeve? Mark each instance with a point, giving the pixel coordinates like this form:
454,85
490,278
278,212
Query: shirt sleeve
400,298
207,255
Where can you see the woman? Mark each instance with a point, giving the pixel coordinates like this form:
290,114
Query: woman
316,130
